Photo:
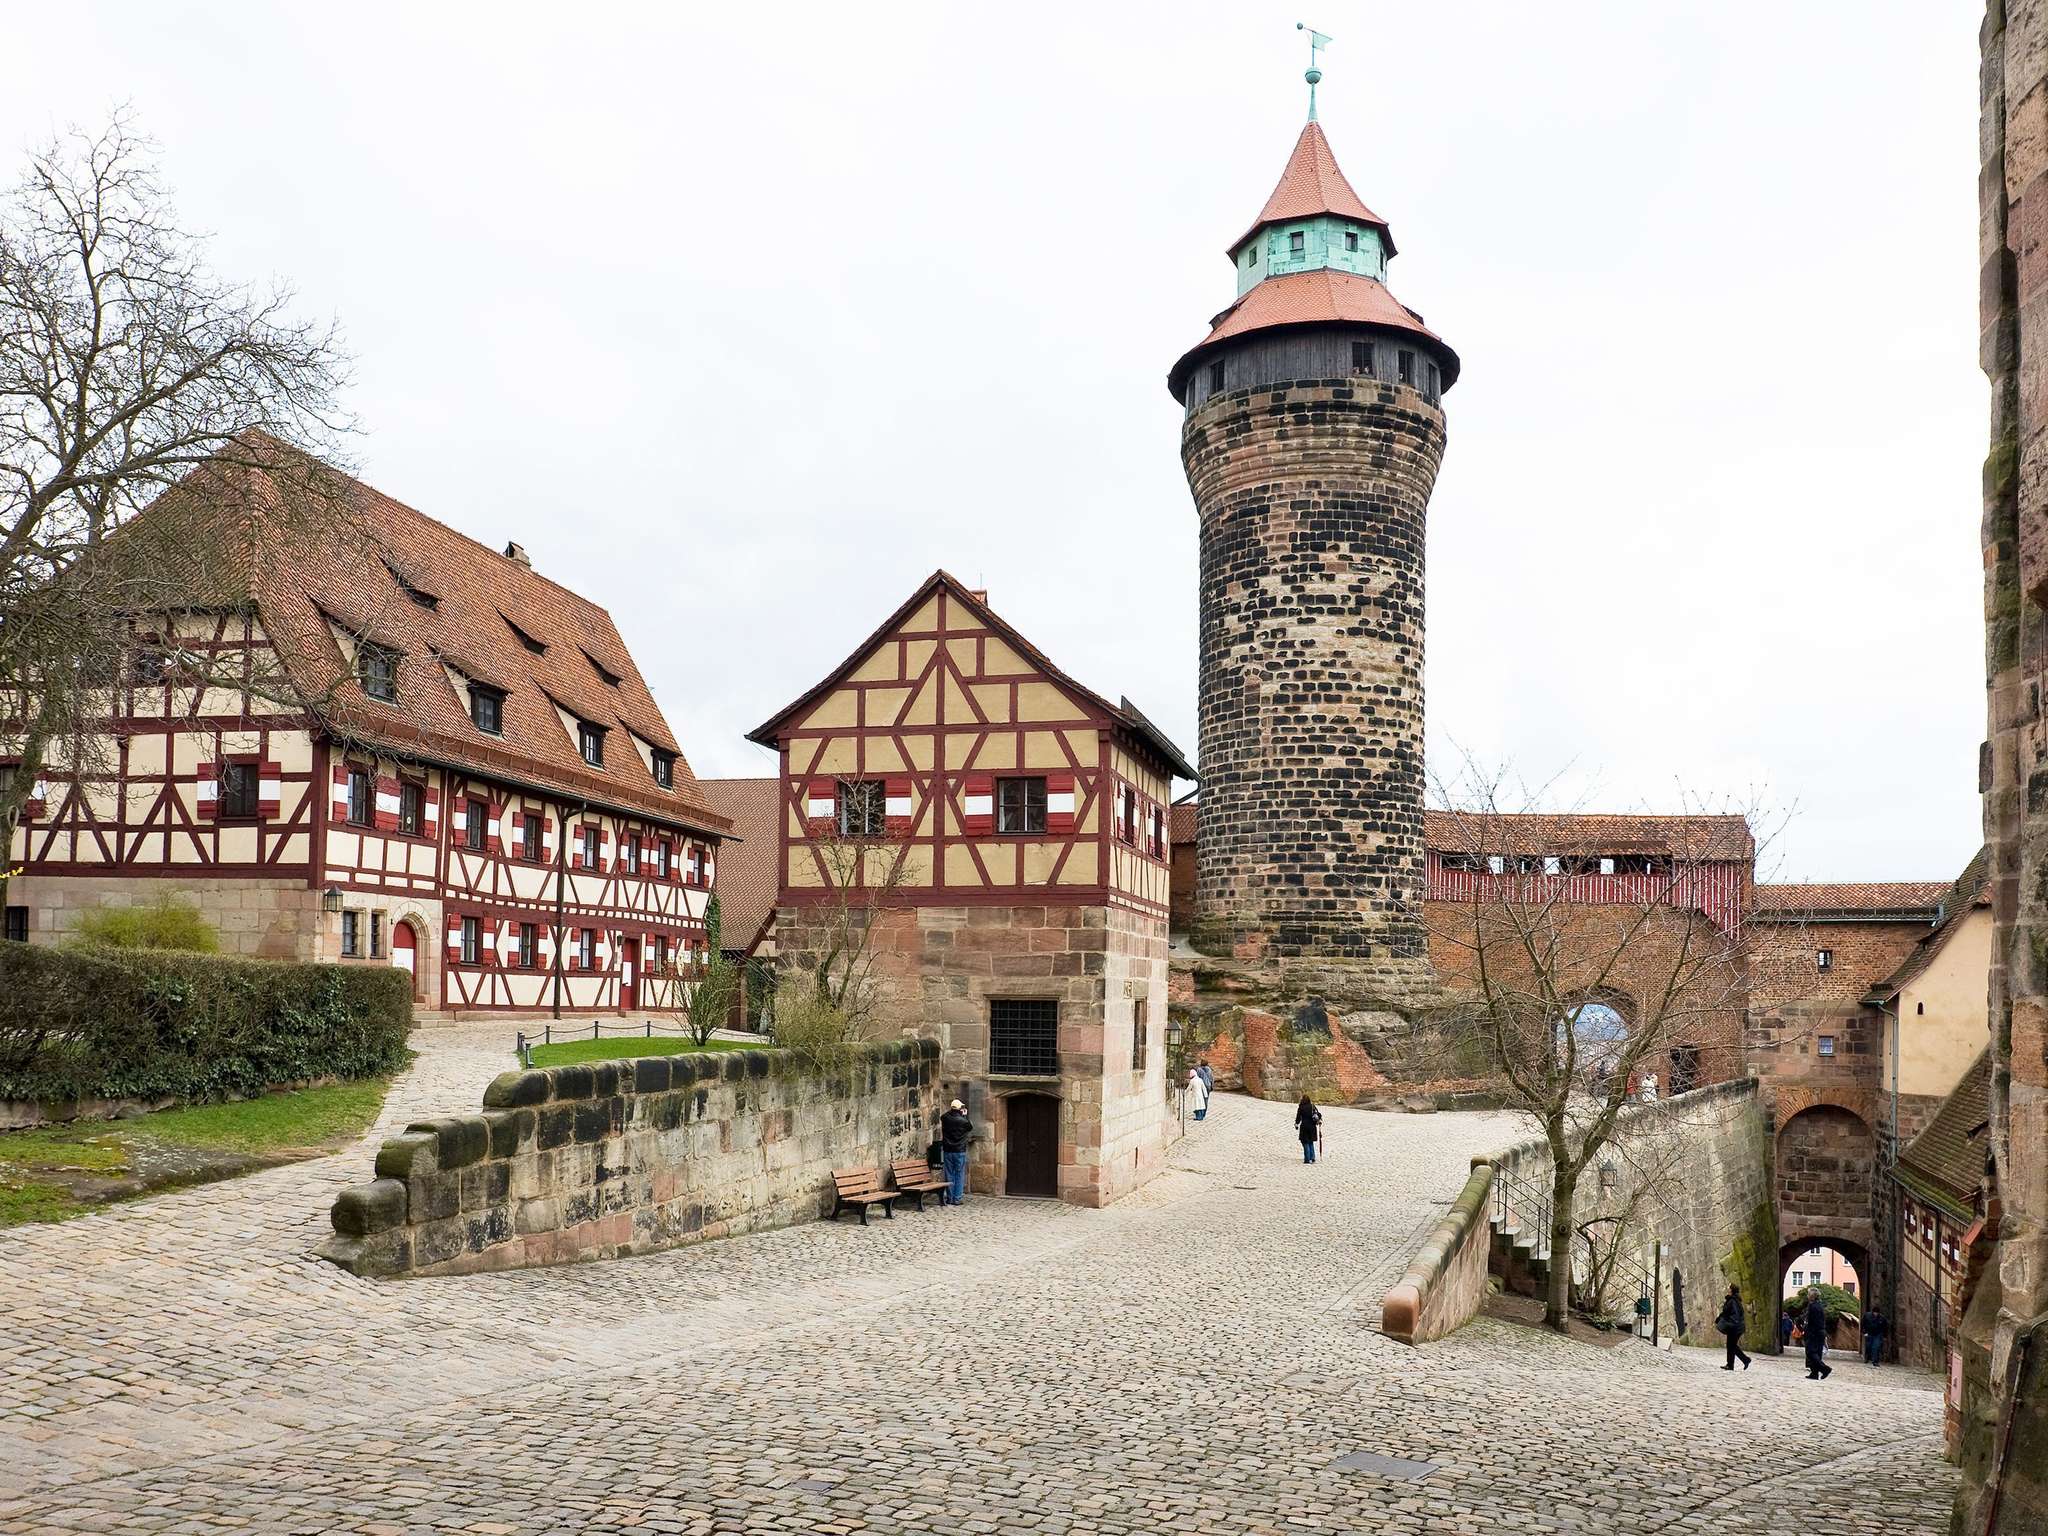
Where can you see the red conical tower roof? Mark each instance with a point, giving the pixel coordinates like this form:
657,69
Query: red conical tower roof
1312,184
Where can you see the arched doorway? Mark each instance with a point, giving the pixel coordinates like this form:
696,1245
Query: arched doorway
1811,1260
405,951
1827,1176
1032,1164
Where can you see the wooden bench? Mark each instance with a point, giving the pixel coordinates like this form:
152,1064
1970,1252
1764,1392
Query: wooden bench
915,1178
857,1189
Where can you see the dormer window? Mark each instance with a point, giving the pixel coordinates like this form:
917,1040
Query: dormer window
1350,239
610,678
487,709
590,743
425,599
664,768
377,670
538,647
1251,254
1297,243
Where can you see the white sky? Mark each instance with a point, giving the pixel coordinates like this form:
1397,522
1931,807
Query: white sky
742,319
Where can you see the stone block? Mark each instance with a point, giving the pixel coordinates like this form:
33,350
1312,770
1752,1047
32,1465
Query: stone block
432,1197
362,1210
460,1140
403,1157
511,1130
652,1074
511,1090
572,1083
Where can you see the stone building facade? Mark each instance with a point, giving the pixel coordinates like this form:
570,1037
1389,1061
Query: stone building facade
1001,833
1313,433
397,747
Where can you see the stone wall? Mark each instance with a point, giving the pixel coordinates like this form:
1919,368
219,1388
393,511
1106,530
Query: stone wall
1698,1180
256,917
599,1161
1312,498
1445,1283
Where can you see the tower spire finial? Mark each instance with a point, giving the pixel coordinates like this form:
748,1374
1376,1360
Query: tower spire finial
1317,41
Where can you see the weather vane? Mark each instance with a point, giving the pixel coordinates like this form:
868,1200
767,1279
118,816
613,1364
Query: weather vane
1317,42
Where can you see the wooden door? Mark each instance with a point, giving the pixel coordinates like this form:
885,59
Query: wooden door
629,974
1034,1151
405,944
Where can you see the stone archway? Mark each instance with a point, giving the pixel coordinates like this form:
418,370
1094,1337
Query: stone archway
1798,1250
1827,1176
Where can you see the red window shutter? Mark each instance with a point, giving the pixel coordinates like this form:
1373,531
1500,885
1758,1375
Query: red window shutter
978,806
386,814
547,837
431,813
1059,802
821,807
454,921
269,789
340,796
572,950
209,791
37,801
491,828
896,793
604,848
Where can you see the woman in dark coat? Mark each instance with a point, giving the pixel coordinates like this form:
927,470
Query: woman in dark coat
1731,1323
1817,1367
1308,1121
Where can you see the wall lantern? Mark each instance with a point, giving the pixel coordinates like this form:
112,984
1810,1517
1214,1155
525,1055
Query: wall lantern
1607,1177
330,899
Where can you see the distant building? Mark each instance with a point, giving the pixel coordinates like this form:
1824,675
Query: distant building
1939,1177
1010,826
485,794
748,874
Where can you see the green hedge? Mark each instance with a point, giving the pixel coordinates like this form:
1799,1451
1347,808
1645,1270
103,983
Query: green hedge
115,1024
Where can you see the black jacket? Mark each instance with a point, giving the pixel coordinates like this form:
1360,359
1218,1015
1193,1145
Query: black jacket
954,1129
1731,1319
1305,1122
1816,1328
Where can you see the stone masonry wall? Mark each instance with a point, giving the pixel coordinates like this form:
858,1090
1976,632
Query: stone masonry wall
261,919
1313,497
599,1161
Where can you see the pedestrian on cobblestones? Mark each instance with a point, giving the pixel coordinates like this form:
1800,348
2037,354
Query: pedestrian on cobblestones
1198,1094
1308,1125
1784,1328
1817,1367
954,1129
1731,1323
1874,1327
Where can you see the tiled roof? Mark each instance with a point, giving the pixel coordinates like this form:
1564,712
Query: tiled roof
1123,713
1324,296
435,596
1720,839
1312,184
747,873
1944,1162
1180,823
1912,898
1967,891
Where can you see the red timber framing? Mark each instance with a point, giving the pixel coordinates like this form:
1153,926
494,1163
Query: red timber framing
935,710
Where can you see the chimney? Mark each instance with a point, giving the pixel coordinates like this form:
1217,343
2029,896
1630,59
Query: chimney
516,553
979,594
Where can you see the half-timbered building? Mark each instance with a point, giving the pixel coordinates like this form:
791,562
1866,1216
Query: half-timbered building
462,774
1011,832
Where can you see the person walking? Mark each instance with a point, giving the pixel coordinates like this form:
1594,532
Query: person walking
954,1130
1731,1323
1817,1367
1308,1125
1784,1328
1208,1077
1198,1094
1874,1326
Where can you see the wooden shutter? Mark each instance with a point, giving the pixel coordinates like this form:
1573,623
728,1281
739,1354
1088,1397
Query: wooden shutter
38,799
896,799
547,838
487,943
604,848
209,791
493,841
821,807
340,797
430,813
385,816
269,789
454,921
978,804
1059,802
572,951
575,836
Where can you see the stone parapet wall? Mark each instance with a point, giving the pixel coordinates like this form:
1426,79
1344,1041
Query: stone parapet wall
1445,1283
615,1158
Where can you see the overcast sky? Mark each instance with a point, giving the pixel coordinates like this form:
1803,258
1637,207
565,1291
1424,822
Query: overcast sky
743,319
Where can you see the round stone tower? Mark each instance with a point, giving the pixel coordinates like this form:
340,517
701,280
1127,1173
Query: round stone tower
1313,434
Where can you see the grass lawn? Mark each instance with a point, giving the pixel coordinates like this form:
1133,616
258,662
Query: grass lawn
58,1171
564,1053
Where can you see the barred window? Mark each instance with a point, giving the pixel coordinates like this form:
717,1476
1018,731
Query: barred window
1023,1037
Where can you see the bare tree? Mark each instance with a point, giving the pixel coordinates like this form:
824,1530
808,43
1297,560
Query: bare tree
1574,995
129,370
711,989
861,870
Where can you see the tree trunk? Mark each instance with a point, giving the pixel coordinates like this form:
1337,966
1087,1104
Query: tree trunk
1564,1183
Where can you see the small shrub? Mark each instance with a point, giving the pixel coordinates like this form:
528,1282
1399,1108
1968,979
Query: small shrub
118,1023
162,923
812,1029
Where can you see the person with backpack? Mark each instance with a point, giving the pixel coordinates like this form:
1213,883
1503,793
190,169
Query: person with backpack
1731,1323
1308,1125
1198,1095
955,1130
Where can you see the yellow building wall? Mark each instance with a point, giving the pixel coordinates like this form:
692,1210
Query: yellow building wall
1944,1020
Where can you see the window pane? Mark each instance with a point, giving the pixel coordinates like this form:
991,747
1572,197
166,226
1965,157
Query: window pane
359,799
1023,1037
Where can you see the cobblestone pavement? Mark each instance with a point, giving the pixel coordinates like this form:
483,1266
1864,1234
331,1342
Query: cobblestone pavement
1197,1358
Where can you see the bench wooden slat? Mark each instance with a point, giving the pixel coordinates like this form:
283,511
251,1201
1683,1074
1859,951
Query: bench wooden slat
860,1188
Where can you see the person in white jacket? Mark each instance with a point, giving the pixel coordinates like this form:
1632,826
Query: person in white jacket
1198,1094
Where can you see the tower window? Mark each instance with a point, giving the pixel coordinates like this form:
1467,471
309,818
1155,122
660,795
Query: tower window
1361,358
1297,243
1407,365
487,709
1350,239
1215,377
1251,254
1432,388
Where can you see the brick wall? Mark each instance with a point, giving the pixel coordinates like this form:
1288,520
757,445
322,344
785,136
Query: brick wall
615,1158
1312,498
1784,970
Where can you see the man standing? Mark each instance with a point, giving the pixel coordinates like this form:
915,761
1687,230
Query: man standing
1817,1367
1873,1336
954,1129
